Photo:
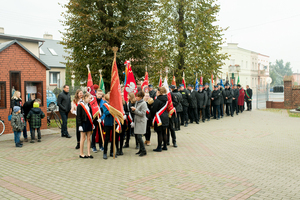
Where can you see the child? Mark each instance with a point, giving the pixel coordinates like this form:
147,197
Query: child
18,124
35,116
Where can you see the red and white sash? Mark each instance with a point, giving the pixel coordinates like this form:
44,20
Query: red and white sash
158,114
87,113
148,111
118,130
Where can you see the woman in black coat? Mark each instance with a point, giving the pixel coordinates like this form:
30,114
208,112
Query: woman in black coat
160,117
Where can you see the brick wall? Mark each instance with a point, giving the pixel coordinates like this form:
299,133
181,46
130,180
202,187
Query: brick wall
296,96
291,93
273,104
15,58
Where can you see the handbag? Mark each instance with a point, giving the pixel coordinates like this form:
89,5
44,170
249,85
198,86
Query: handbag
9,117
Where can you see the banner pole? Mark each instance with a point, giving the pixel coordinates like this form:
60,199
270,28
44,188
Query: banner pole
101,132
114,139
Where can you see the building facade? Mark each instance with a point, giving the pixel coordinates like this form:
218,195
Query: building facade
251,67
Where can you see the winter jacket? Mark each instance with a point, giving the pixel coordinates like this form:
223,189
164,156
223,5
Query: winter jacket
193,99
64,102
17,102
201,99
174,99
248,94
27,107
241,97
35,116
216,94
17,122
179,99
229,94
222,99
140,120
185,97
159,103
209,93
236,94
108,118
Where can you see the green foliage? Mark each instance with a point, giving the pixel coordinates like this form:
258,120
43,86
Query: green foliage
57,91
187,40
93,27
278,70
68,76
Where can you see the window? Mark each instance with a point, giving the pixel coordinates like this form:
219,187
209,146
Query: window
52,52
42,52
15,82
2,95
33,90
54,78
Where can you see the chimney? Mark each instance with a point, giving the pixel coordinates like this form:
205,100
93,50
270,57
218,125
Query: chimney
48,36
1,30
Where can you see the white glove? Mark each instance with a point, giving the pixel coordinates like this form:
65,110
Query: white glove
132,125
80,128
99,120
74,112
94,127
125,117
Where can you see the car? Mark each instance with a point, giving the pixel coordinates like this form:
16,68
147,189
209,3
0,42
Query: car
51,99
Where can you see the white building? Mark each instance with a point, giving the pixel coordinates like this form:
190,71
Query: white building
250,66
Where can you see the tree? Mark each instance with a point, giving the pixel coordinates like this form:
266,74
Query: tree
187,40
278,70
68,76
93,27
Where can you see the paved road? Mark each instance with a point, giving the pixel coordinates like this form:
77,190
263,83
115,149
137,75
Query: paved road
254,155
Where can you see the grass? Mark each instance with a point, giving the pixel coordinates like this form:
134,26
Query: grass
293,114
71,123
281,110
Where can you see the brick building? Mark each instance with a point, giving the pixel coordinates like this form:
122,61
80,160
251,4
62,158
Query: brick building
20,70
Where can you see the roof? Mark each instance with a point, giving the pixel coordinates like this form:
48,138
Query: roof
5,45
50,59
21,38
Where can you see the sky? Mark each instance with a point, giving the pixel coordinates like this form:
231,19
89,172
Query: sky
269,27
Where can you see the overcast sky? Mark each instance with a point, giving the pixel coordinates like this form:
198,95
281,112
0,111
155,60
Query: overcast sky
269,27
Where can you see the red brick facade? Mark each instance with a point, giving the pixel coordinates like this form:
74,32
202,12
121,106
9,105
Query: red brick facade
15,58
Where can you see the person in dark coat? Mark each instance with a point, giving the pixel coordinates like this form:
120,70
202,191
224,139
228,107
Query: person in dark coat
215,100
235,98
172,120
27,107
222,100
185,105
149,102
96,131
228,94
64,104
201,102
35,116
160,116
209,94
248,97
178,108
241,98
193,104
152,92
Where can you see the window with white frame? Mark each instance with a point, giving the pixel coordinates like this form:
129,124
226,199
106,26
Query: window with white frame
54,77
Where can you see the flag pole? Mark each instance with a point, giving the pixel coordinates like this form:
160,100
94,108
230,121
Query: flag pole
115,49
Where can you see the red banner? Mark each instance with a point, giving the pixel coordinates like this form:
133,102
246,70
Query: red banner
201,80
174,81
160,82
170,107
145,83
91,90
130,85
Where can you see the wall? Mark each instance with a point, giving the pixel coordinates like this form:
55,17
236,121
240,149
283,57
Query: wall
15,58
62,77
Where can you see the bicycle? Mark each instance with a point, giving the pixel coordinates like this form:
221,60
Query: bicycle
53,115
2,126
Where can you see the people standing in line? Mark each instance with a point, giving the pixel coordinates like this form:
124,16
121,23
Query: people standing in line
64,104
216,99
185,105
172,119
178,108
241,98
235,98
35,116
85,121
160,117
16,100
193,104
131,103
18,124
209,95
96,131
201,103
228,100
140,121
108,128
77,99
222,100
149,102
248,97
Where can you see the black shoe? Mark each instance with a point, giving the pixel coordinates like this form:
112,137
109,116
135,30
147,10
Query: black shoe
90,156
231,115
182,124
143,154
137,147
77,146
208,119
120,153
203,121
186,125
63,135
214,118
237,113
112,155
126,146
174,144
197,122
168,143
164,148
157,150
105,156
39,140
83,156
176,129
138,153
31,141
222,116
19,145
68,136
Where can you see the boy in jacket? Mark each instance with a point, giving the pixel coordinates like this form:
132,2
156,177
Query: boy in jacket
18,124
35,116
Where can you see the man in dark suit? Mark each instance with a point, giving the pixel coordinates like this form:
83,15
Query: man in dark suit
207,108
201,102
193,104
185,105
248,98
235,97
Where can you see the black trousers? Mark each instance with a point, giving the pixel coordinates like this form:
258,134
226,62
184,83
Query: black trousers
93,144
108,130
141,143
185,116
249,105
171,129
216,108
64,127
33,133
193,114
229,108
207,111
161,136
77,132
235,106
178,119
122,136
201,110
148,130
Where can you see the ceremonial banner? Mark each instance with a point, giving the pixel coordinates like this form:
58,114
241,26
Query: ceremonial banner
183,81
160,82
212,79
221,83
130,85
174,81
170,107
90,89
101,84
201,80
238,81
145,83
197,85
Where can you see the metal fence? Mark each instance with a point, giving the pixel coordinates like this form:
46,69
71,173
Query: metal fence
263,94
